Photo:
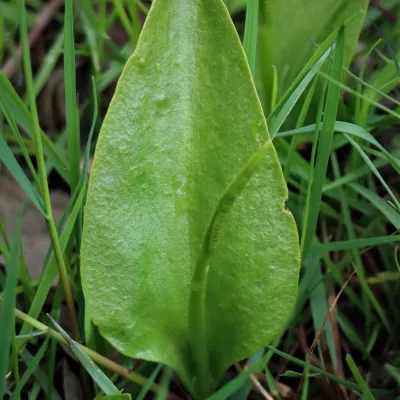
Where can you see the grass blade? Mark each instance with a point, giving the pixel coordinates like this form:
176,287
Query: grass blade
383,206
71,109
374,170
355,243
8,158
147,386
24,119
44,186
325,144
95,372
31,368
8,305
250,33
51,270
286,107
366,393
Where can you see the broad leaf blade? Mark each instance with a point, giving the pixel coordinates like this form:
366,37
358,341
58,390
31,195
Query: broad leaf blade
184,122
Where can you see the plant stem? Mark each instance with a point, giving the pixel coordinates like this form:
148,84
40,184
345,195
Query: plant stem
197,315
98,358
197,325
44,188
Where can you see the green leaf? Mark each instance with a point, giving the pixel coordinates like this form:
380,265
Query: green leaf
118,396
185,225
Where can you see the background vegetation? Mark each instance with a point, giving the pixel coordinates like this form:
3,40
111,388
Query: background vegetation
343,338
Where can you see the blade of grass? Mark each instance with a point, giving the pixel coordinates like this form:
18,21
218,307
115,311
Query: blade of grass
31,368
250,33
71,112
352,335
275,88
368,100
147,386
56,311
8,158
354,244
351,129
124,18
34,393
3,233
90,27
38,374
300,122
164,384
95,372
333,378
311,171
319,311
24,119
374,170
14,359
134,15
393,372
388,211
306,382
49,62
367,293
323,48
7,317
285,108
325,144
52,227
21,142
88,325
98,358
366,393
51,270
